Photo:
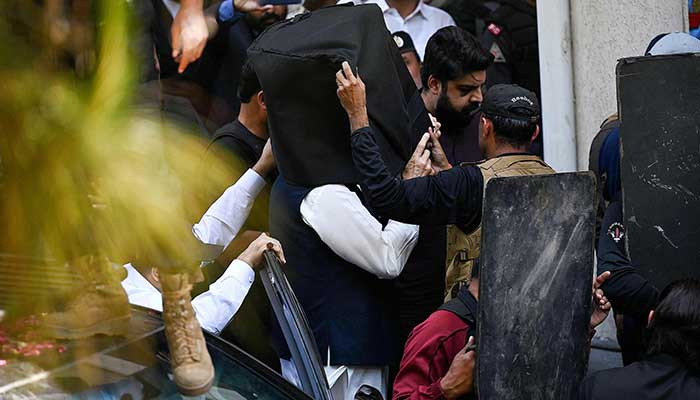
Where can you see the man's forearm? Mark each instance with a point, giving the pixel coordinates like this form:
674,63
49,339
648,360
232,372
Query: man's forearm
216,307
451,197
383,189
629,292
381,251
225,217
359,120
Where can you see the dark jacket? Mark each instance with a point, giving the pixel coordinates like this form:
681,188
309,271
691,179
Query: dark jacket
450,197
628,291
348,308
656,378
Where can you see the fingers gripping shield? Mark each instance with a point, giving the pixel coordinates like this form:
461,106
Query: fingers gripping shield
535,286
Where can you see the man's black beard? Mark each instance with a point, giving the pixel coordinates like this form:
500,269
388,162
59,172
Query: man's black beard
452,119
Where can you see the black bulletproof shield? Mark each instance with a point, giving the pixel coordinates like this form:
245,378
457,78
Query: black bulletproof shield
296,61
659,105
535,286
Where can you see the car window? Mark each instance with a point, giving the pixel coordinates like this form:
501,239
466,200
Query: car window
140,369
296,329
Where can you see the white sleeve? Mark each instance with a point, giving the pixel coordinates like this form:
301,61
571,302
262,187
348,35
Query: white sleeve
215,307
347,227
225,217
139,291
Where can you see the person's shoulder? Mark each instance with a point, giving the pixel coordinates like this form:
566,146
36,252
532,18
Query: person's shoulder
440,325
231,130
235,138
622,382
437,15
598,385
470,169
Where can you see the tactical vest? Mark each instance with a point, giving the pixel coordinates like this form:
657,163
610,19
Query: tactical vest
463,248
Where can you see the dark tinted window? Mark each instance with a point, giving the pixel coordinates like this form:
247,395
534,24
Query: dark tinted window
138,368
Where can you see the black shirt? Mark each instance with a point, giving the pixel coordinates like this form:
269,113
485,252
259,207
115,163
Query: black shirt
658,377
450,197
240,141
628,291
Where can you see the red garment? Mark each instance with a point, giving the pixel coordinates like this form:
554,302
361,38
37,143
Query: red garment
429,351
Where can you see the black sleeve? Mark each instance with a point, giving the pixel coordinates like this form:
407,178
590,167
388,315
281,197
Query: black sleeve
628,291
450,197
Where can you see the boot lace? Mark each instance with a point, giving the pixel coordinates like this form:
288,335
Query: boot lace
181,331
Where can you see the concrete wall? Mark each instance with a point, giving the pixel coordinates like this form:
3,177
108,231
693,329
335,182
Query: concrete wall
580,42
603,31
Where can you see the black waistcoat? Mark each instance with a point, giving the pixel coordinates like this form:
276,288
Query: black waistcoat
348,308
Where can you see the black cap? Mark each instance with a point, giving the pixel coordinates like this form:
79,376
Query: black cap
405,43
511,101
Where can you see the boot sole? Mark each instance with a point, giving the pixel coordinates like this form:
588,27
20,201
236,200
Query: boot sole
191,392
112,327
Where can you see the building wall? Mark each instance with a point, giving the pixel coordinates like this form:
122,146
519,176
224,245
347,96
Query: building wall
603,31
580,42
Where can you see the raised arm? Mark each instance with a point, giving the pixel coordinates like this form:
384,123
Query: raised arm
453,196
629,292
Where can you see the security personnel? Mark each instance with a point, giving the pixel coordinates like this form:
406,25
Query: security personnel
464,247
604,161
409,54
511,36
453,196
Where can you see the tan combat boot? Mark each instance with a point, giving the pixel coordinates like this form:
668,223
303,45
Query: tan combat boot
100,307
189,358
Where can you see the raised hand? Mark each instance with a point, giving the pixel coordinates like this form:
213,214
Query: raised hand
437,154
459,379
601,305
266,164
351,93
189,33
253,255
419,164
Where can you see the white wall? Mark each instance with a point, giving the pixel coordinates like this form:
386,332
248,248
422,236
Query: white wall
604,31
580,43
557,84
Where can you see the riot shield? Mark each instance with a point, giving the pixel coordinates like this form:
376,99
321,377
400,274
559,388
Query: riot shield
535,286
658,101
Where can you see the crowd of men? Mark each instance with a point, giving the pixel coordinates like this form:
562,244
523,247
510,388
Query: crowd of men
380,239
